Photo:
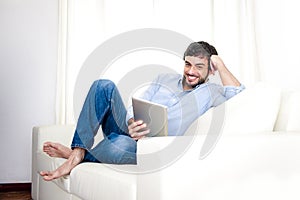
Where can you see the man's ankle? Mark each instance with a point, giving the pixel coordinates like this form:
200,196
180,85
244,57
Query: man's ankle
79,152
78,149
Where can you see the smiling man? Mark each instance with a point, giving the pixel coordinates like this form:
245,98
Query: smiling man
187,96
196,72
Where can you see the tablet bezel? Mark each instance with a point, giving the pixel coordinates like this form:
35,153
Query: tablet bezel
153,114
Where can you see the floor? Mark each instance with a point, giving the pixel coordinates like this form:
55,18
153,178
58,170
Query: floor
18,195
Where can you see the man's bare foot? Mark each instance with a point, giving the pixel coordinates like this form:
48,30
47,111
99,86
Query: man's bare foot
57,150
74,159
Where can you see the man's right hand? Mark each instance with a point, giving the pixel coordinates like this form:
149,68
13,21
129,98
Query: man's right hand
137,129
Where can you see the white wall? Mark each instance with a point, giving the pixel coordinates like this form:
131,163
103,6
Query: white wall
28,56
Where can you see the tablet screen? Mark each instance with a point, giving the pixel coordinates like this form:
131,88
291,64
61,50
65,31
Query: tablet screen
154,115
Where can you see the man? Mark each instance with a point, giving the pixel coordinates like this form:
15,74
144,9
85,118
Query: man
187,97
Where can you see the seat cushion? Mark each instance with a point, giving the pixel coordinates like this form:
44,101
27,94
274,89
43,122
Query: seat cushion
102,181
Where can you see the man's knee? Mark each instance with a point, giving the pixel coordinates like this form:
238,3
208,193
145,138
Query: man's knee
104,83
105,87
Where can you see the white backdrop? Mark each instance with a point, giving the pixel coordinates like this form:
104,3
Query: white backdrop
257,39
28,58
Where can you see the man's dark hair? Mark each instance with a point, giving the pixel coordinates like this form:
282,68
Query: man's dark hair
200,49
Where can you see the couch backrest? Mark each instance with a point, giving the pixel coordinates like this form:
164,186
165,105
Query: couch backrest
253,110
288,118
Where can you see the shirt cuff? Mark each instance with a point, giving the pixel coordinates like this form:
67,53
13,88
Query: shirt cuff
231,91
129,114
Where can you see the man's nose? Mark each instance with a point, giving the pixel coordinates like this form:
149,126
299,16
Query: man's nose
192,69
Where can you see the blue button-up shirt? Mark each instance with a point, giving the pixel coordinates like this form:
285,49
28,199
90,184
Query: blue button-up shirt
184,107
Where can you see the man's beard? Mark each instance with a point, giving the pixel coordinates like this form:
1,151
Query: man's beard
201,81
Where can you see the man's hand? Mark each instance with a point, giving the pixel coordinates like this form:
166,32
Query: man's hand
137,129
227,77
215,63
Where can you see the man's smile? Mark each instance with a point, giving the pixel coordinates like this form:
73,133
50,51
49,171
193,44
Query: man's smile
191,78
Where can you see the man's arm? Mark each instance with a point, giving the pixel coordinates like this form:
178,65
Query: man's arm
226,76
134,127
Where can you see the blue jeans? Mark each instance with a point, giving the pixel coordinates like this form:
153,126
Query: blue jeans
104,107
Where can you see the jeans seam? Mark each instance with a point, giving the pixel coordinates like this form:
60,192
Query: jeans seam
78,146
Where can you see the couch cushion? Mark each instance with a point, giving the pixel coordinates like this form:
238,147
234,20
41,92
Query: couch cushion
253,110
102,181
289,113
240,167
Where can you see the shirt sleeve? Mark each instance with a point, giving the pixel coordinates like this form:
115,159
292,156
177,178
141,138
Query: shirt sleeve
220,94
147,95
129,114
230,91
151,90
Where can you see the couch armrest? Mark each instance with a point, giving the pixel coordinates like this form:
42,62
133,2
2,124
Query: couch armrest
54,133
40,134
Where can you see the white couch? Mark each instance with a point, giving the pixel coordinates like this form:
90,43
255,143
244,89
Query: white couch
256,157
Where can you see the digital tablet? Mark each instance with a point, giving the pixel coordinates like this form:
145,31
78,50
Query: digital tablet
154,115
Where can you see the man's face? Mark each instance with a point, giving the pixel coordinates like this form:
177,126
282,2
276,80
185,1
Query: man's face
195,71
